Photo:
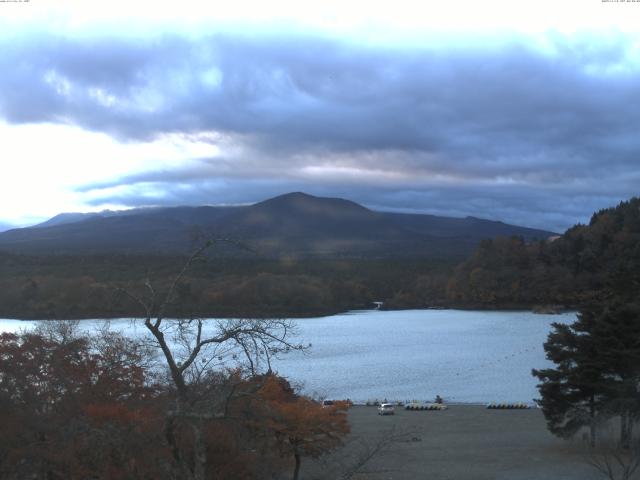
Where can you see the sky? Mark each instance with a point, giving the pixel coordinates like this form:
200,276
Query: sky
524,112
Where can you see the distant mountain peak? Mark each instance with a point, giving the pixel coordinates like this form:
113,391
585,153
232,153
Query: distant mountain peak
293,196
300,201
295,223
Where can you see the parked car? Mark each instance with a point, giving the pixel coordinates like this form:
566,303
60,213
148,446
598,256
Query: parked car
386,409
327,403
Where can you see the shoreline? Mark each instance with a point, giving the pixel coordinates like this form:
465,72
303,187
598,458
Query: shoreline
303,315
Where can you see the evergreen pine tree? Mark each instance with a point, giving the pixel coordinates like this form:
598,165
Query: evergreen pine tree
597,373
616,335
572,392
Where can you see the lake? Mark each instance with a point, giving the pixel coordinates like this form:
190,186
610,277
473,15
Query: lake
464,356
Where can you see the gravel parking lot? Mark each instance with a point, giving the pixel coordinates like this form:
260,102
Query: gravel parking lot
463,442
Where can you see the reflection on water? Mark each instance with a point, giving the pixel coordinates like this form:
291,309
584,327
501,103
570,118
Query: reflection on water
464,356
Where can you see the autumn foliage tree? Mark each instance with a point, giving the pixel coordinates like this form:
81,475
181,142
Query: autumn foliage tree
78,408
68,411
301,426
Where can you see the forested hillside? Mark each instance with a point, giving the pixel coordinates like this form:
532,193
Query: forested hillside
293,255
87,286
503,272
582,264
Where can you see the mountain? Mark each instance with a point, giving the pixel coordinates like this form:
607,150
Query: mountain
74,217
294,224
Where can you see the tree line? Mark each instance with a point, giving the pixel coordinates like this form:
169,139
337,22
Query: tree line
62,287
570,271
566,272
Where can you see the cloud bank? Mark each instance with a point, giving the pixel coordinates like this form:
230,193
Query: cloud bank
533,133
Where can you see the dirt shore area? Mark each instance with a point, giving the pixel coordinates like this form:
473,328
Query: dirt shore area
461,443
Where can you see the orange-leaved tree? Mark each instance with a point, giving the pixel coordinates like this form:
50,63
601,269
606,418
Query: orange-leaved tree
70,412
302,426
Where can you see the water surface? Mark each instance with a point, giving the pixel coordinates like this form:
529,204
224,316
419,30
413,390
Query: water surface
464,356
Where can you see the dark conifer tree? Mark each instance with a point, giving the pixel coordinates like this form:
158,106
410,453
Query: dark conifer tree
572,392
597,373
616,336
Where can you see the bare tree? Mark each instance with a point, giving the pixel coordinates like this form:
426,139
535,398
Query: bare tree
356,458
614,460
62,331
615,463
195,350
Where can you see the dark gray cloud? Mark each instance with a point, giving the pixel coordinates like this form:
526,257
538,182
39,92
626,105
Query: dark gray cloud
504,131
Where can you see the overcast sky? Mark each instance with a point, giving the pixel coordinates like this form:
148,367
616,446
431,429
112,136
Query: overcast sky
525,112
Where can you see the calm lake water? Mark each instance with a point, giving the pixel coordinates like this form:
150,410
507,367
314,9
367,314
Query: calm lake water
464,356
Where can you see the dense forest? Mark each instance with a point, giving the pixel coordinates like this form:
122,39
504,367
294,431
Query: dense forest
87,286
504,272
585,263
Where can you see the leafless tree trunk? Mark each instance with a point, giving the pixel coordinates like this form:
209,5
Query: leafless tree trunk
613,459
592,422
296,470
356,457
189,349
200,453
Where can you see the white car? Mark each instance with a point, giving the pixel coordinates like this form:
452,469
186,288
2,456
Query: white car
386,409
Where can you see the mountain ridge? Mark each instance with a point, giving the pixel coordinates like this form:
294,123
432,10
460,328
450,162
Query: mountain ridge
291,224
